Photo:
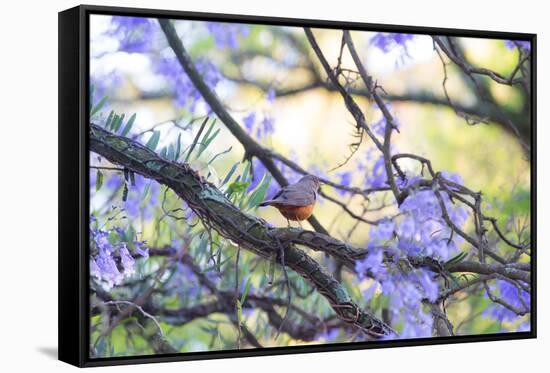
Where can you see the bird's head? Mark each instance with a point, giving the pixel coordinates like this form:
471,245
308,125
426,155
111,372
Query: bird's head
311,180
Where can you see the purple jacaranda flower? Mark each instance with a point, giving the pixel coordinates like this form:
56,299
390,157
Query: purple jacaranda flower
249,121
128,262
108,269
93,180
372,263
426,281
519,299
134,34
121,232
379,127
387,41
377,177
266,127
424,226
369,293
94,269
523,44
227,35
417,328
382,232
407,228
271,95
258,172
113,181
525,326
344,178
141,248
105,83
185,93
330,334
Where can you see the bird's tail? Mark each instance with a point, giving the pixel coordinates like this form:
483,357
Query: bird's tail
266,203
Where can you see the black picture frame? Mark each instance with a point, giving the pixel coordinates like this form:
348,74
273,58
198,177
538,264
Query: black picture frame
74,180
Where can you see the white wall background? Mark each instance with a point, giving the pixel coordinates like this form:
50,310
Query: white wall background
28,184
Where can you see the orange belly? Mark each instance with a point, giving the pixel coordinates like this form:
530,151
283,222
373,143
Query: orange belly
296,213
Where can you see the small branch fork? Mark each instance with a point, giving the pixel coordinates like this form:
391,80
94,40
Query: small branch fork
438,183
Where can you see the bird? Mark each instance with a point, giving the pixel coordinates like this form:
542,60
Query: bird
296,201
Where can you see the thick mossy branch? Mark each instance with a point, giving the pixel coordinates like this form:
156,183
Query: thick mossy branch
249,232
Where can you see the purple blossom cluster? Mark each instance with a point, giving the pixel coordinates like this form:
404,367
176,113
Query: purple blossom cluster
510,294
419,231
344,178
112,261
142,197
184,282
512,44
375,174
423,231
134,34
227,35
104,83
257,176
379,127
259,128
386,41
185,93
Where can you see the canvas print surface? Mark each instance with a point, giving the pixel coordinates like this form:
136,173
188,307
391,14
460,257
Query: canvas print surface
259,186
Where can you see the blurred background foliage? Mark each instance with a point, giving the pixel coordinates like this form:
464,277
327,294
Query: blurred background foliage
255,69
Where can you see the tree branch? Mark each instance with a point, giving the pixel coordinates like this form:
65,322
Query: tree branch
252,148
217,212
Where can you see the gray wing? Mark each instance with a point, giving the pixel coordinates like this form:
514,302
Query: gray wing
293,195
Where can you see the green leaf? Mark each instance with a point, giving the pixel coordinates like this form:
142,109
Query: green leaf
128,125
218,259
237,187
109,119
95,109
258,194
171,152
271,272
239,311
209,130
178,147
230,173
146,190
118,123
113,122
206,141
196,140
202,245
101,348
98,180
153,141
125,192
246,173
92,89
456,259
245,290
